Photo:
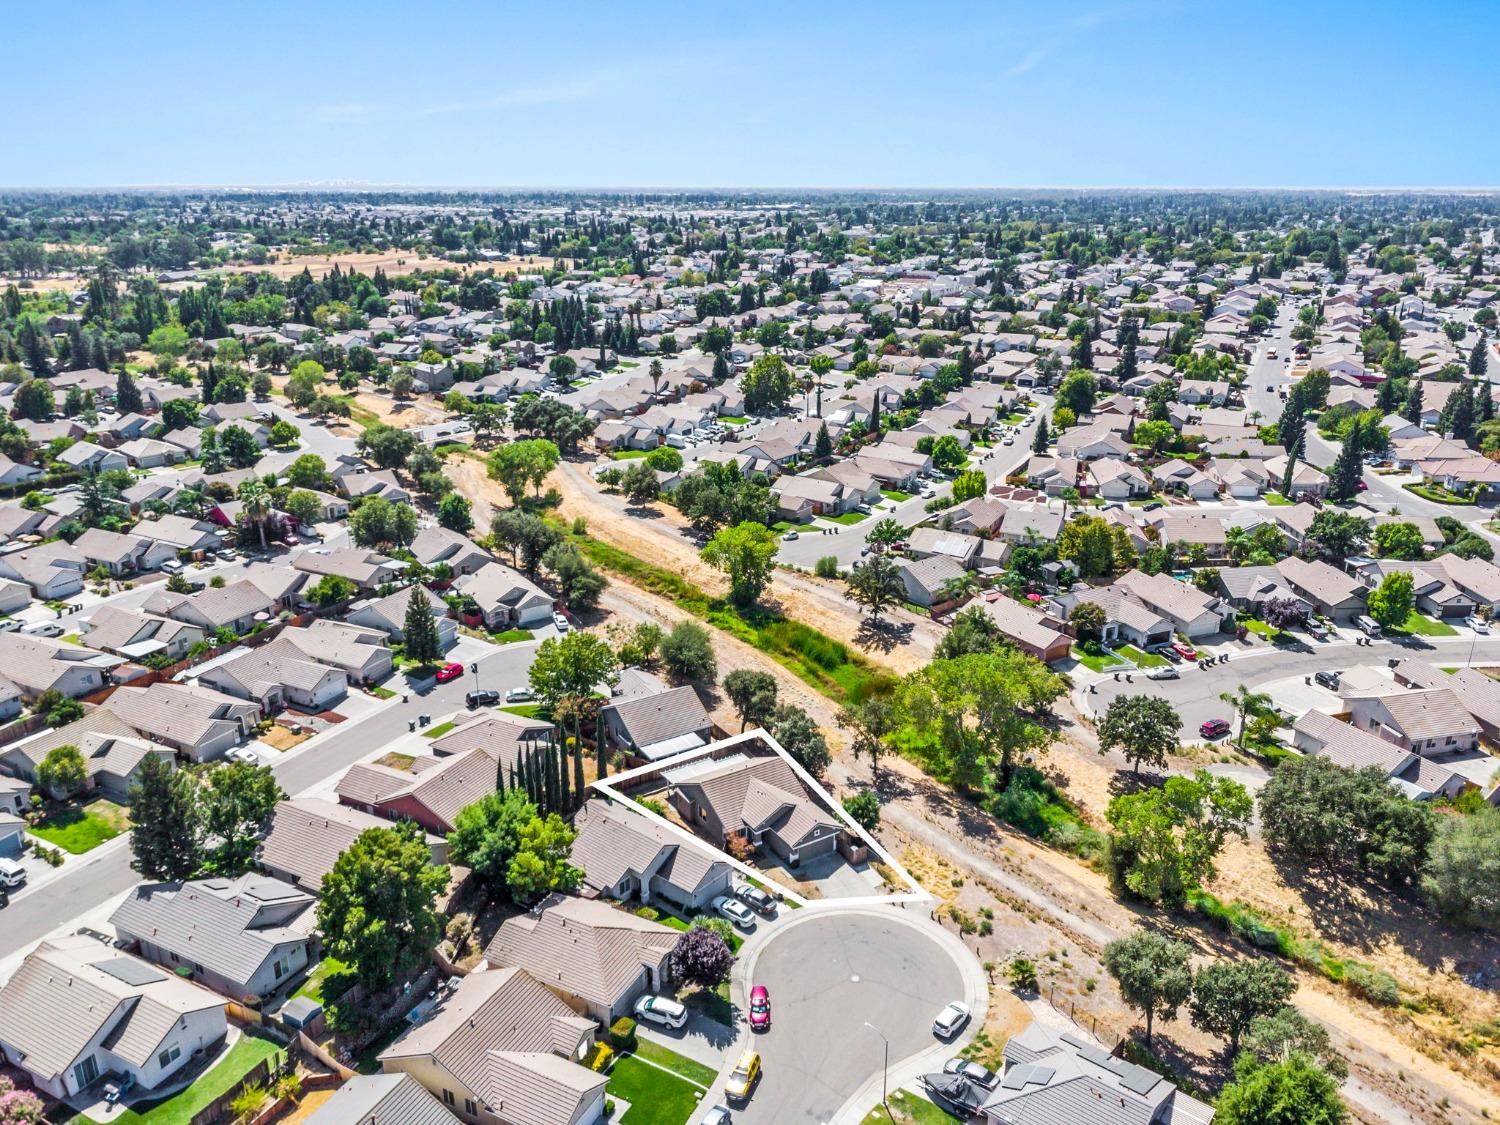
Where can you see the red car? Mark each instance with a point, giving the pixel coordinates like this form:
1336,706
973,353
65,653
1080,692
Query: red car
1214,728
449,672
1187,652
760,1008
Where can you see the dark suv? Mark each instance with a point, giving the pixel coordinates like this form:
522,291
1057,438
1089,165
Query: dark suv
482,698
1330,680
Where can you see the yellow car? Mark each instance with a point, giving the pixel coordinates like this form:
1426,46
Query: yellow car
746,1071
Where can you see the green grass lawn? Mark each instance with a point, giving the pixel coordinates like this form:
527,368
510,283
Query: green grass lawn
656,1097
1277,500
511,635
1419,625
908,1108
663,1056
1261,629
1100,663
734,419
629,454
180,1108
1142,658
382,693
895,494
847,518
326,983
527,710
441,729
79,830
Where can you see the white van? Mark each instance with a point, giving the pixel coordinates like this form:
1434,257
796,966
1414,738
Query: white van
12,874
1368,626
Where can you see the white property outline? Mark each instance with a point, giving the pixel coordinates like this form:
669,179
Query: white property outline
607,787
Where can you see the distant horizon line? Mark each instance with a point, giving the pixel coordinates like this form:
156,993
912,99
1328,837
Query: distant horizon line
353,186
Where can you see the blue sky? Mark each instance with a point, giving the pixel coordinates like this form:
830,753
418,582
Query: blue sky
818,93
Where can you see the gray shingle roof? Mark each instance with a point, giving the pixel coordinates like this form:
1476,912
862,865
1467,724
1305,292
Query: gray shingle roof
382,1099
657,718
614,842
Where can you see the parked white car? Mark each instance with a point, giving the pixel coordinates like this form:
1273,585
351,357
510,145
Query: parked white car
736,911
1479,625
660,1009
243,754
951,1020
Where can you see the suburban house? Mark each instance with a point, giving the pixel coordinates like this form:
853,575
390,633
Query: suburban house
929,580
54,571
306,836
596,957
431,792
136,634
121,554
502,1049
506,599
500,735
761,800
76,1010
1320,735
197,722
244,938
388,614
235,606
1327,589
112,752
366,569
274,675
39,664
1034,633
1426,721
1052,1076
12,829
627,856
382,1099
658,726
1190,611
1114,479
435,546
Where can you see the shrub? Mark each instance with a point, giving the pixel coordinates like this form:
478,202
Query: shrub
827,567
600,1059
1375,985
288,1087
650,913
622,1033
248,1100
1021,973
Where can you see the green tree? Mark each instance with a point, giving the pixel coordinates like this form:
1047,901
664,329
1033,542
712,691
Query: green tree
797,733
387,446
487,834
973,631
540,865
1088,620
1154,435
1248,705
870,723
238,447
303,507
747,553
1399,541
1040,439
308,471
1393,601
166,840
1142,727
1347,469
639,483
1338,535
864,808
521,463
305,383
236,801
1290,1091
575,664
1165,840
1077,392
377,913
1229,995
128,396
34,400
947,453
876,585
1285,1031
1152,974
768,384
579,584
687,653
886,532
455,513
1088,543
1462,874
419,631
331,589
379,522
753,694
526,536
967,486
168,342
62,772
255,506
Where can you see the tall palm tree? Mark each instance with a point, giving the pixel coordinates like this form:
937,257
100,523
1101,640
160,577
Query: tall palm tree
255,499
1248,703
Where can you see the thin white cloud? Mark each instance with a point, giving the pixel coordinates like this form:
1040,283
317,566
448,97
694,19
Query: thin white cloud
343,111
1029,61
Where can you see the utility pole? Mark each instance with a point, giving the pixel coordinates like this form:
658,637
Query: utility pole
885,1066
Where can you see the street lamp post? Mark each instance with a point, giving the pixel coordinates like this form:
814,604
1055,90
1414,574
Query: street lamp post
885,1066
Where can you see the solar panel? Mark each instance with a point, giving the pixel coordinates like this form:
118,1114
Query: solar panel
1016,1077
1042,1074
1139,1080
130,970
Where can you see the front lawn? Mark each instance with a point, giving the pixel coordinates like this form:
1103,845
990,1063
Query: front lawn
734,419
847,518
1419,625
1277,500
527,710
1436,493
441,729
895,494
80,830
326,983
657,1096
1096,662
182,1107
687,1068
908,1108
1142,658
1261,629
629,454
511,635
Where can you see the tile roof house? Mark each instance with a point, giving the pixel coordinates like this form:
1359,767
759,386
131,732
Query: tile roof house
500,735
382,1099
388,614
434,545
1051,1077
656,726
760,799
505,597
1320,735
121,554
53,570
595,956
503,1050
1192,612
431,793
112,752
274,675
306,836
244,938
35,665
235,606
1426,721
366,569
1329,590
75,1010
197,722
1032,632
625,856
926,580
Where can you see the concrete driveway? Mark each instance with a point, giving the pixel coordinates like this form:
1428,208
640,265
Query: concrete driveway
829,974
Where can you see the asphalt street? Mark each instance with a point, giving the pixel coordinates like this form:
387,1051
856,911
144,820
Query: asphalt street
37,912
838,984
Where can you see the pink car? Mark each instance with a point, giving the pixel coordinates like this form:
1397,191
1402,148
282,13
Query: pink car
760,1008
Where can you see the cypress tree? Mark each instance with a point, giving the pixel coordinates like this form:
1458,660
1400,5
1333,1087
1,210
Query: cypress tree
599,744
1293,418
1343,477
1476,356
1411,409
1039,442
577,772
563,798
1291,467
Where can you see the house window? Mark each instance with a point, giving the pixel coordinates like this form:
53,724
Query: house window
169,1056
448,1096
470,1108
278,968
